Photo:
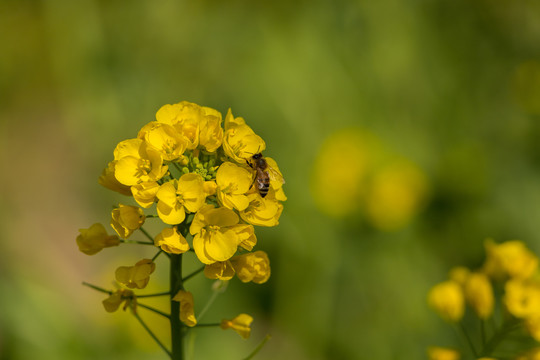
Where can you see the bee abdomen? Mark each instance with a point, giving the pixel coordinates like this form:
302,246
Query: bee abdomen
263,183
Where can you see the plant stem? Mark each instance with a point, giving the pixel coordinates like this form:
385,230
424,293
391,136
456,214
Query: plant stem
151,333
207,325
97,288
499,336
258,348
153,295
137,242
147,234
154,310
175,281
193,274
469,341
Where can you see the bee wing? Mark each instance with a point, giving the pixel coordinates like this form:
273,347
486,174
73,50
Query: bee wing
274,175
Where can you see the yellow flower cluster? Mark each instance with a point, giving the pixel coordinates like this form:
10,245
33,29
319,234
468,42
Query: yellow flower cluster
209,191
512,267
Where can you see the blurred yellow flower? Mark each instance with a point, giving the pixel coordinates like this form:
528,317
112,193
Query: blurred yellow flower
509,259
187,314
522,299
108,180
440,353
136,276
239,141
215,237
240,324
337,182
533,354
233,182
171,241
532,324
94,239
113,302
174,201
479,294
459,274
447,300
126,219
137,162
252,267
221,270
395,194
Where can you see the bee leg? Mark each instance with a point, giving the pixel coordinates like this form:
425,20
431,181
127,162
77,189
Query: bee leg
253,182
251,166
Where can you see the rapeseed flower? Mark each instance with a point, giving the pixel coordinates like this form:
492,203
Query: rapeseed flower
126,219
136,276
233,182
215,237
177,197
171,241
187,314
113,302
252,267
447,300
240,324
95,238
199,172
479,294
440,353
509,259
222,270
136,162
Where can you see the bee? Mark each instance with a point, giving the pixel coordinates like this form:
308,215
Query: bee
263,173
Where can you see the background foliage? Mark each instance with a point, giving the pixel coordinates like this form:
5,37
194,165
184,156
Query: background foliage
450,87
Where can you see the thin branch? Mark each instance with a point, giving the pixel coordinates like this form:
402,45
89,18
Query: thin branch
151,333
154,310
207,325
136,242
97,288
193,274
147,234
258,348
153,295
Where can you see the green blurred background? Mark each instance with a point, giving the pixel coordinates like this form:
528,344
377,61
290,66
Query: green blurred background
407,132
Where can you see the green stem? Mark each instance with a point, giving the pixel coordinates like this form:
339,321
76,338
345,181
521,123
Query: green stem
469,341
154,310
193,274
483,331
152,334
207,325
136,242
178,168
155,256
154,295
499,336
175,283
208,304
147,234
258,348
97,288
